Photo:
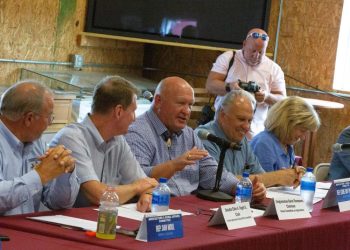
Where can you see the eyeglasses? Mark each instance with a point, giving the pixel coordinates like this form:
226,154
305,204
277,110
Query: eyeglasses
256,35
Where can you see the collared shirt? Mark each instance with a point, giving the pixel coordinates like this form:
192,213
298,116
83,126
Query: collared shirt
235,160
340,164
150,149
270,153
21,190
267,74
110,162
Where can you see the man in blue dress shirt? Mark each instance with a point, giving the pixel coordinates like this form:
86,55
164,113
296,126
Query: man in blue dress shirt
166,147
28,174
232,123
102,155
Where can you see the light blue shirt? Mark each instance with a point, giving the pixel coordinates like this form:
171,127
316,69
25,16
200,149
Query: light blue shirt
150,149
340,164
270,153
235,160
110,162
21,189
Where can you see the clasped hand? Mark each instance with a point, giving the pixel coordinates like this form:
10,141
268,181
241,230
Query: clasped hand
54,162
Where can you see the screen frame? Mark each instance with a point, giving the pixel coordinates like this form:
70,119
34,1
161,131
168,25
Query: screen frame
158,39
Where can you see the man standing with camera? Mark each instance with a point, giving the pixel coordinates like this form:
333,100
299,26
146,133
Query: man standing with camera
250,67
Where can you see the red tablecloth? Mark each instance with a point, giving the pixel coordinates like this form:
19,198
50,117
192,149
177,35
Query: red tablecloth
28,241
327,229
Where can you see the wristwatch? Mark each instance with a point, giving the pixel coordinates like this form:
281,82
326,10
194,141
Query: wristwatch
227,87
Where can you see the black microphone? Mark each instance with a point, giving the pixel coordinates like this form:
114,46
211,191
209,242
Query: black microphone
341,147
147,95
205,135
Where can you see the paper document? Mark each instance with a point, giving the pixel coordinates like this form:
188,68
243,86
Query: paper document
276,192
129,211
323,185
76,223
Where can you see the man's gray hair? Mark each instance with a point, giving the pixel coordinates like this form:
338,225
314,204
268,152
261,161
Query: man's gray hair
231,97
15,102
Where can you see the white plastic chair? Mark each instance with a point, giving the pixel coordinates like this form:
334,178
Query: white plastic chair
321,171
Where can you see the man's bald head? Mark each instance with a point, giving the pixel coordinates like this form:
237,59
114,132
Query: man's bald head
254,46
22,97
172,102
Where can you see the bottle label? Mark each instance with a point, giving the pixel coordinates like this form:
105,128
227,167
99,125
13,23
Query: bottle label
107,221
308,185
160,199
244,193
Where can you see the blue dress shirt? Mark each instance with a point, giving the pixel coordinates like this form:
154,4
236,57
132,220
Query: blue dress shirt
110,162
270,153
340,164
146,140
21,190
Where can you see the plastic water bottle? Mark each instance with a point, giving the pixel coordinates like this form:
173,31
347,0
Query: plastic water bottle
244,189
107,214
307,188
161,196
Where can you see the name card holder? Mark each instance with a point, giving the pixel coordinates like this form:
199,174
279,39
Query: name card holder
338,195
235,216
161,226
288,207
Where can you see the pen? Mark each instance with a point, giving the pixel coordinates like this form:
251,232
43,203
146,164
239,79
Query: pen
4,238
126,232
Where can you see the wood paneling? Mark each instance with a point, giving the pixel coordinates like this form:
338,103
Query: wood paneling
42,30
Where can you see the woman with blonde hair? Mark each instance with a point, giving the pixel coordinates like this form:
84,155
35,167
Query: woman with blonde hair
287,122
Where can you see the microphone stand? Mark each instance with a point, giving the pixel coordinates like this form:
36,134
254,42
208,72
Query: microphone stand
215,194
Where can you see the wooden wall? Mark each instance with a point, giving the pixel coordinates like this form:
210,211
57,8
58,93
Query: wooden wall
42,30
48,31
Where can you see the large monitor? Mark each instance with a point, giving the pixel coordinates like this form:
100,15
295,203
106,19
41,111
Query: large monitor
214,23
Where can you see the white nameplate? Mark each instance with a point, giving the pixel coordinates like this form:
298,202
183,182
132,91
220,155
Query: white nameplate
235,216
338,194
286,208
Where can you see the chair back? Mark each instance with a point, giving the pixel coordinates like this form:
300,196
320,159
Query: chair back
321,171
201,98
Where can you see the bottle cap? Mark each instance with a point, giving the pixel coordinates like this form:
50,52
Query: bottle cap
245,174
163,180
309,169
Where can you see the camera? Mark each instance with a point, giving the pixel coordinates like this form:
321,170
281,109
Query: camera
250,86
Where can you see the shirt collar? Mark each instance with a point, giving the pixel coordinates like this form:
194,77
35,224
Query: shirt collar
95,134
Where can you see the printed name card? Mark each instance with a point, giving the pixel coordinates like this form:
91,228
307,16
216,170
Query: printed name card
235,216
338,194
161,226
286,208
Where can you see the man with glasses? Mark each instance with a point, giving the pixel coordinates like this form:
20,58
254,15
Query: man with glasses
28,174
249,64
232,122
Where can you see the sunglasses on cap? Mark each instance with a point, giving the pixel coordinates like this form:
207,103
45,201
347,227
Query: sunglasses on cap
256,35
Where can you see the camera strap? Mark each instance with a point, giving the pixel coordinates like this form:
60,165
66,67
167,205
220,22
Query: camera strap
230,63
